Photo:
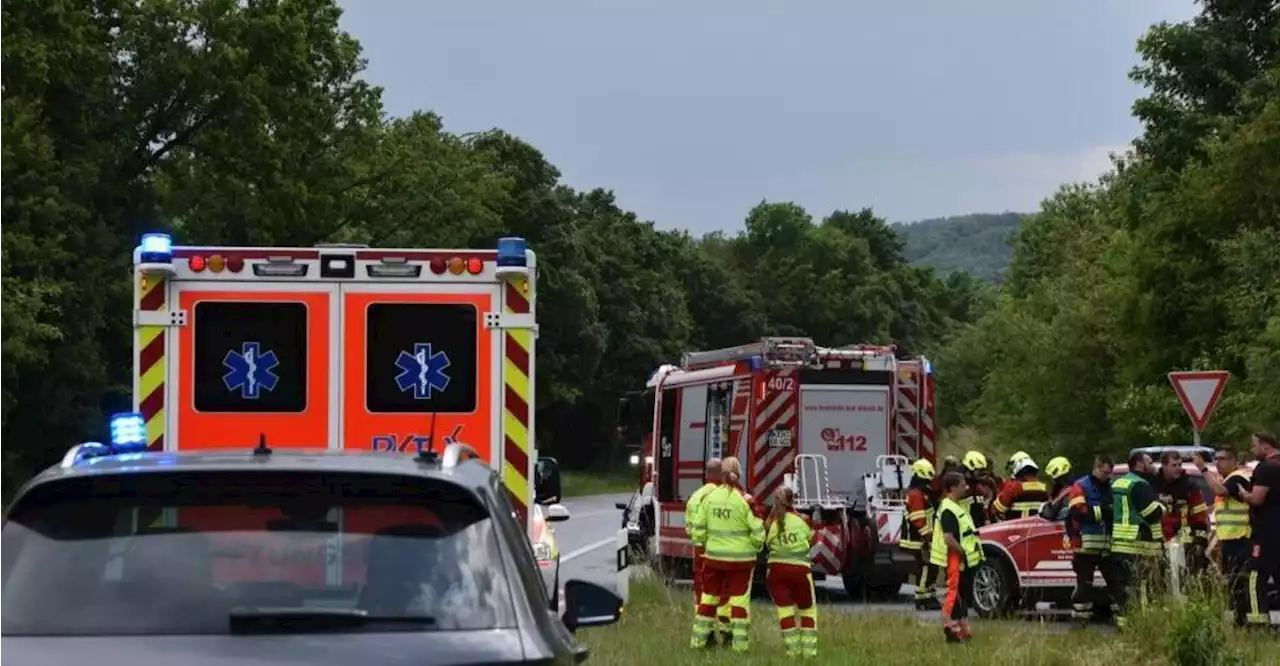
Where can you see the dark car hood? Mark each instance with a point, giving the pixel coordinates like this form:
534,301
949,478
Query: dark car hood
365,649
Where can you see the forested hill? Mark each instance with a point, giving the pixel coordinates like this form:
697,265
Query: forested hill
980,244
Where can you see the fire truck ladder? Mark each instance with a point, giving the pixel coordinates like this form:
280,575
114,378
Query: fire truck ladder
773,352
812,482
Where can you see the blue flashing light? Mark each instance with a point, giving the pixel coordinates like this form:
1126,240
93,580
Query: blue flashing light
128,433
156,249
90,450
928,367
511,251
755,362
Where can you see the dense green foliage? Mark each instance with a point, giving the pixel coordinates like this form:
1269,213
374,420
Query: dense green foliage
247,123
980,245
1170,262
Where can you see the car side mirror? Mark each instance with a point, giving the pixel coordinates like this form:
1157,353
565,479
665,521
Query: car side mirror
589,605
557,513
622,506
546,480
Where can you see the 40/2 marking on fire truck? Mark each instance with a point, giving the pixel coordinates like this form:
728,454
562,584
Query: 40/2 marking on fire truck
250,370
781,384
423,371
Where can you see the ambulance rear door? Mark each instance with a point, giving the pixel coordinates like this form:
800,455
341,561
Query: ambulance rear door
435,350
249,350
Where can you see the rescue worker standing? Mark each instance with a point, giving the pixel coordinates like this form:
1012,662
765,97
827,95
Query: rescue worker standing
1090,508
1136,546
1023,495
1187,520
714,476
731,536
1264,517
789,538
1232,515
955,548
919,531
980,489
1059,471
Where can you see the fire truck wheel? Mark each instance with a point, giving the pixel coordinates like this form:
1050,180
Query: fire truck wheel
994,587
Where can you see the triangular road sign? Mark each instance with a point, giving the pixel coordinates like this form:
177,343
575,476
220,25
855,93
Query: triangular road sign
1199,393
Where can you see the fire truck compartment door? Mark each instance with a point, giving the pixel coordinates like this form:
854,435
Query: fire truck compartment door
420,365
850,426
254,359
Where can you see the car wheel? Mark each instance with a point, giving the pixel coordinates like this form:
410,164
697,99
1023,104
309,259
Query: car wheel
994,585
555,590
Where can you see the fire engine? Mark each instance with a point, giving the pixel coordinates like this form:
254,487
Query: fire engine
839,425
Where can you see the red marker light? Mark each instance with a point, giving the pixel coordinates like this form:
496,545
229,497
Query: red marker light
474,266
196,263
439,266
235,264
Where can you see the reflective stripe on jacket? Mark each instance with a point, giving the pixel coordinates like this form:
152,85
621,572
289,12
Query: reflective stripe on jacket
789,540
1089,505
918,527
1136,511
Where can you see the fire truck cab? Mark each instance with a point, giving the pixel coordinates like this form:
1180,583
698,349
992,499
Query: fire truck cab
340,347
839,425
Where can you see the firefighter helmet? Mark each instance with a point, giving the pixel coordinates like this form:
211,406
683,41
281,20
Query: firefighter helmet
1025,465
974,461
923,469
1058,467
1013,460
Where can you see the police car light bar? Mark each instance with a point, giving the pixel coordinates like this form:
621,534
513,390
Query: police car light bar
128,433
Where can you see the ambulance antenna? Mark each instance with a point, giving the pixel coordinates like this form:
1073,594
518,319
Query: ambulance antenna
431,436
263,449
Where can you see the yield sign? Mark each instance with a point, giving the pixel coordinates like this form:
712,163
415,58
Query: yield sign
1199,393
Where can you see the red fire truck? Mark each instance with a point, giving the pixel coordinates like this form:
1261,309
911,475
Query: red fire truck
840,425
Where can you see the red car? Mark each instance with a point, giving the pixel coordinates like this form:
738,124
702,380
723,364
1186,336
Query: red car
1028,562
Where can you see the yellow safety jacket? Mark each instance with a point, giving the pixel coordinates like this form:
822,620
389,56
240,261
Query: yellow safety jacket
968,535
726,527
1136,530
691,507
1232,515
788,541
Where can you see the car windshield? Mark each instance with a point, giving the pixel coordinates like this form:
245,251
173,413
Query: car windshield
185,553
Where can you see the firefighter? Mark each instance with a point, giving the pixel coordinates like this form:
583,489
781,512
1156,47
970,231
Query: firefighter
789,538
1231,512
949,464
981,490
1011,467
1187,520
955,548
1059,471
1023,495
731,536
1089,521
1264,517
921,502
1136,548
714,477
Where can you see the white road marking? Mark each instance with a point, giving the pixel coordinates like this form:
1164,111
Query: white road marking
575,554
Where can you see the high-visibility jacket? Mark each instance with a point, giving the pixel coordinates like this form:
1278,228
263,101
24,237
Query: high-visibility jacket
978,501
918,527
726,527
789,540
1090,505
1019,498
1231,514
968,535
691,506
1136,530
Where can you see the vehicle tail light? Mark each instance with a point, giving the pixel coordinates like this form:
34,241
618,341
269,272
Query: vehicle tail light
475,266
439,266
457,265
235,264
217,263
196,263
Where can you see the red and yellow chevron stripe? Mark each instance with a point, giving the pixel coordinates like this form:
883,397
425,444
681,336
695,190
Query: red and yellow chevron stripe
517,400
149,344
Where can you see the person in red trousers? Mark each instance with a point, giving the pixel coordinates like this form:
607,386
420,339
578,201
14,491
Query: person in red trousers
789,537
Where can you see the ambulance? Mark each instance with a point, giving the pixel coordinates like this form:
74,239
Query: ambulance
344,348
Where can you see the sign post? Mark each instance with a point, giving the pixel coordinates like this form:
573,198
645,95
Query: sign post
1199,393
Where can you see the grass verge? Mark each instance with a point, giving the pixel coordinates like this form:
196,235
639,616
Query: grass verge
656,625
577,484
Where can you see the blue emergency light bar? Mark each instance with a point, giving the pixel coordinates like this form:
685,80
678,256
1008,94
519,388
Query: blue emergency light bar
511,251
155,249
928,367
128,433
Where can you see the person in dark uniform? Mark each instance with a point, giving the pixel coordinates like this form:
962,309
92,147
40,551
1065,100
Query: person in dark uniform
1264,517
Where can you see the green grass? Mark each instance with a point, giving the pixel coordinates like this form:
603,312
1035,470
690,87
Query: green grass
657,620
577,484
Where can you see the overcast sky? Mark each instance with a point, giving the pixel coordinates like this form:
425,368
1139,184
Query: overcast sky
692,111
